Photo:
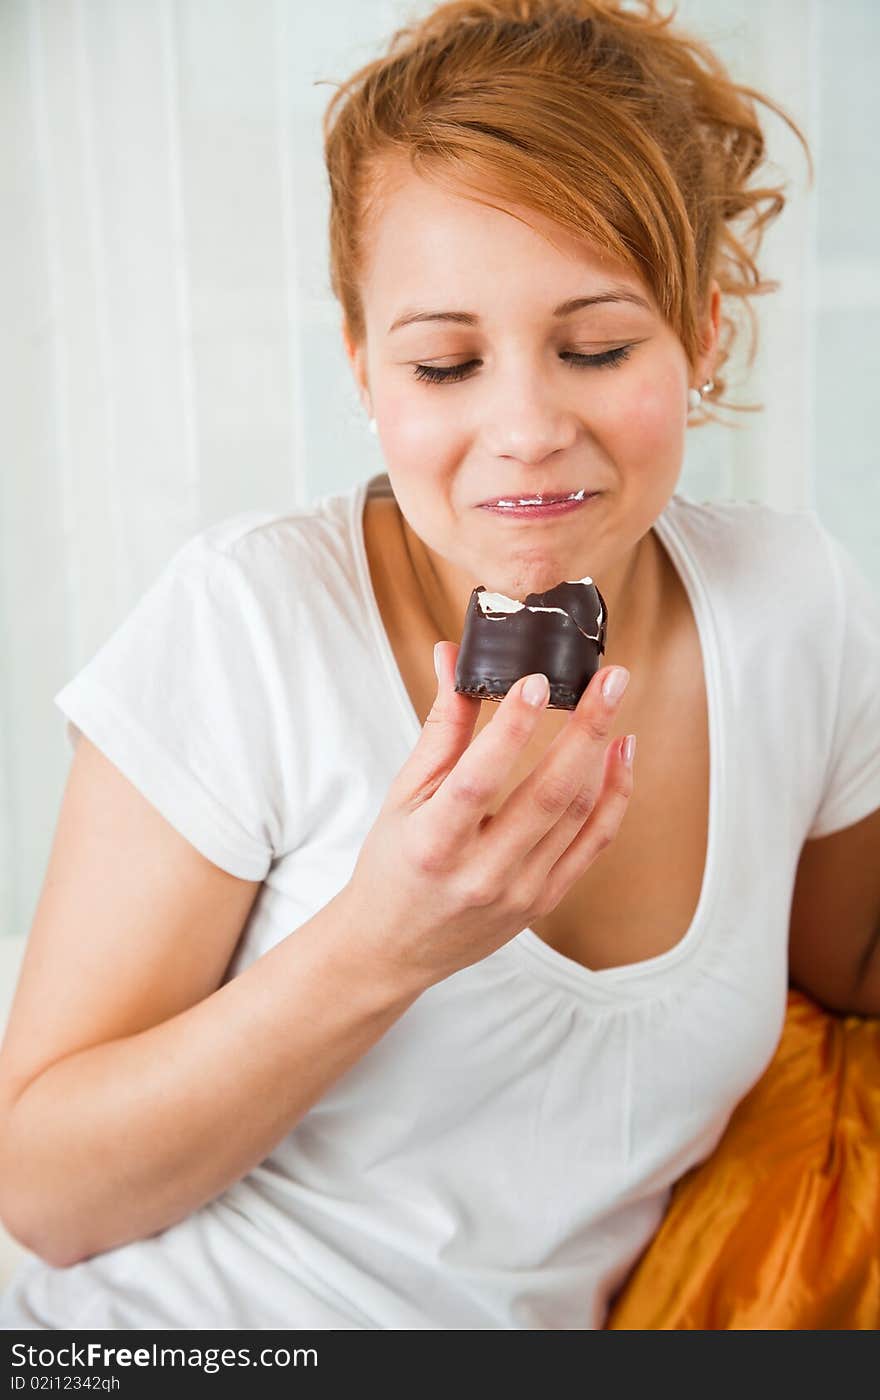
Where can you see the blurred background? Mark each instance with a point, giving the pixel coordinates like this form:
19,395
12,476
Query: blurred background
170,352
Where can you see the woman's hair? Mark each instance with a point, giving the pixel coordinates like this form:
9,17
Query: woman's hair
595,114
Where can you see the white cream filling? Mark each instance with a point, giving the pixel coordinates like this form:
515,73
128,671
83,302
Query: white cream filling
500,603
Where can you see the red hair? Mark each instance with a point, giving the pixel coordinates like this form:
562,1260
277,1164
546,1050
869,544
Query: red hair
616,127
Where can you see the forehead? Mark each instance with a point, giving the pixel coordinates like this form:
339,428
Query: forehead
426,239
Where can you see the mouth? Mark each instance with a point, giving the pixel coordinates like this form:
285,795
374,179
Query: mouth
540,505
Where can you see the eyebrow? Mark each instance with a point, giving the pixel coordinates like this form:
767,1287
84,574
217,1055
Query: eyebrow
565,308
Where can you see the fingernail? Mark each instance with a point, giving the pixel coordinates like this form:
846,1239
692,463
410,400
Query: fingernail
628,749
614,684
437,662
535,690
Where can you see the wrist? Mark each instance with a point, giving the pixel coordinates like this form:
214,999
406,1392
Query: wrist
393,983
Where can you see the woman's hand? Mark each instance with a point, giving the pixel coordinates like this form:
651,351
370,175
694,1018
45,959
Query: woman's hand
439,883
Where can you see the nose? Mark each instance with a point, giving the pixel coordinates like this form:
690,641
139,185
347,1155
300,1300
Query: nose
525,417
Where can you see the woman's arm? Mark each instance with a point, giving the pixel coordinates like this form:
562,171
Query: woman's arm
835,919
119,1141
161,1092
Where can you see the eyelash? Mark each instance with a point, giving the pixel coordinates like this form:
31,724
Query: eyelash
431,374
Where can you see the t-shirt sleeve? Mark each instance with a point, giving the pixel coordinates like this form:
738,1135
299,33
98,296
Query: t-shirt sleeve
180,699
851,788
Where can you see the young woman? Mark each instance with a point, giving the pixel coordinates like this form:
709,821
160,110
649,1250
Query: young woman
354,1002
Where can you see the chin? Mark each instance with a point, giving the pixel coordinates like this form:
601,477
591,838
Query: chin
530,581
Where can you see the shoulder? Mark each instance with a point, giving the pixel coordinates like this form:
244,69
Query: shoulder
758,556
296,550
749,529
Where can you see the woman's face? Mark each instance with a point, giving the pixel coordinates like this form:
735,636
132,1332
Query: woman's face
522,415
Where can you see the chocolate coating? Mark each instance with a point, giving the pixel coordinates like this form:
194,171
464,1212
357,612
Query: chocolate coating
560,632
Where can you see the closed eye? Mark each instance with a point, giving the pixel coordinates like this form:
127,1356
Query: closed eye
434,374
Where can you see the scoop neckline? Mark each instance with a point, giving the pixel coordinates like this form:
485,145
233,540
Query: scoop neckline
646,978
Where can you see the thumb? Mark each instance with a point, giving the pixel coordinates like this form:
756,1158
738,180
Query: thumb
445,735
449,706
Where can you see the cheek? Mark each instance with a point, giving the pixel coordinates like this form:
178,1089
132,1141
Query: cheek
410,422
419,450
416,427
653,426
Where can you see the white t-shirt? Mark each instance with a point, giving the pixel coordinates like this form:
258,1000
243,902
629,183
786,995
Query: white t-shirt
501,1157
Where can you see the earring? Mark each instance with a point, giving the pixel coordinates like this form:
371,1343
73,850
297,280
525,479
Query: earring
695,396
372,426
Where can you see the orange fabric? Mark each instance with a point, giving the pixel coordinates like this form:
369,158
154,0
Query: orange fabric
780,1227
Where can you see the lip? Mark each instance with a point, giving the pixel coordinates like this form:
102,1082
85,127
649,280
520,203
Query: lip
547,496
544,512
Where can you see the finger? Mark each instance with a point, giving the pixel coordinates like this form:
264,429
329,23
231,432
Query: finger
462,800
570,771
445,735
589,838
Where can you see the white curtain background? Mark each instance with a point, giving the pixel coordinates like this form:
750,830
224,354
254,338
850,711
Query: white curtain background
170,352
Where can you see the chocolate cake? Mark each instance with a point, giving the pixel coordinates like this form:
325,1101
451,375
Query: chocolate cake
560,632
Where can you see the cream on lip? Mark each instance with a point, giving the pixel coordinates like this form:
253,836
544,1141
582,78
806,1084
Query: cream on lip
538,500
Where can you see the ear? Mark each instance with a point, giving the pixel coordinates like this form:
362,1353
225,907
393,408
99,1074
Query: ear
709,332
357,359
